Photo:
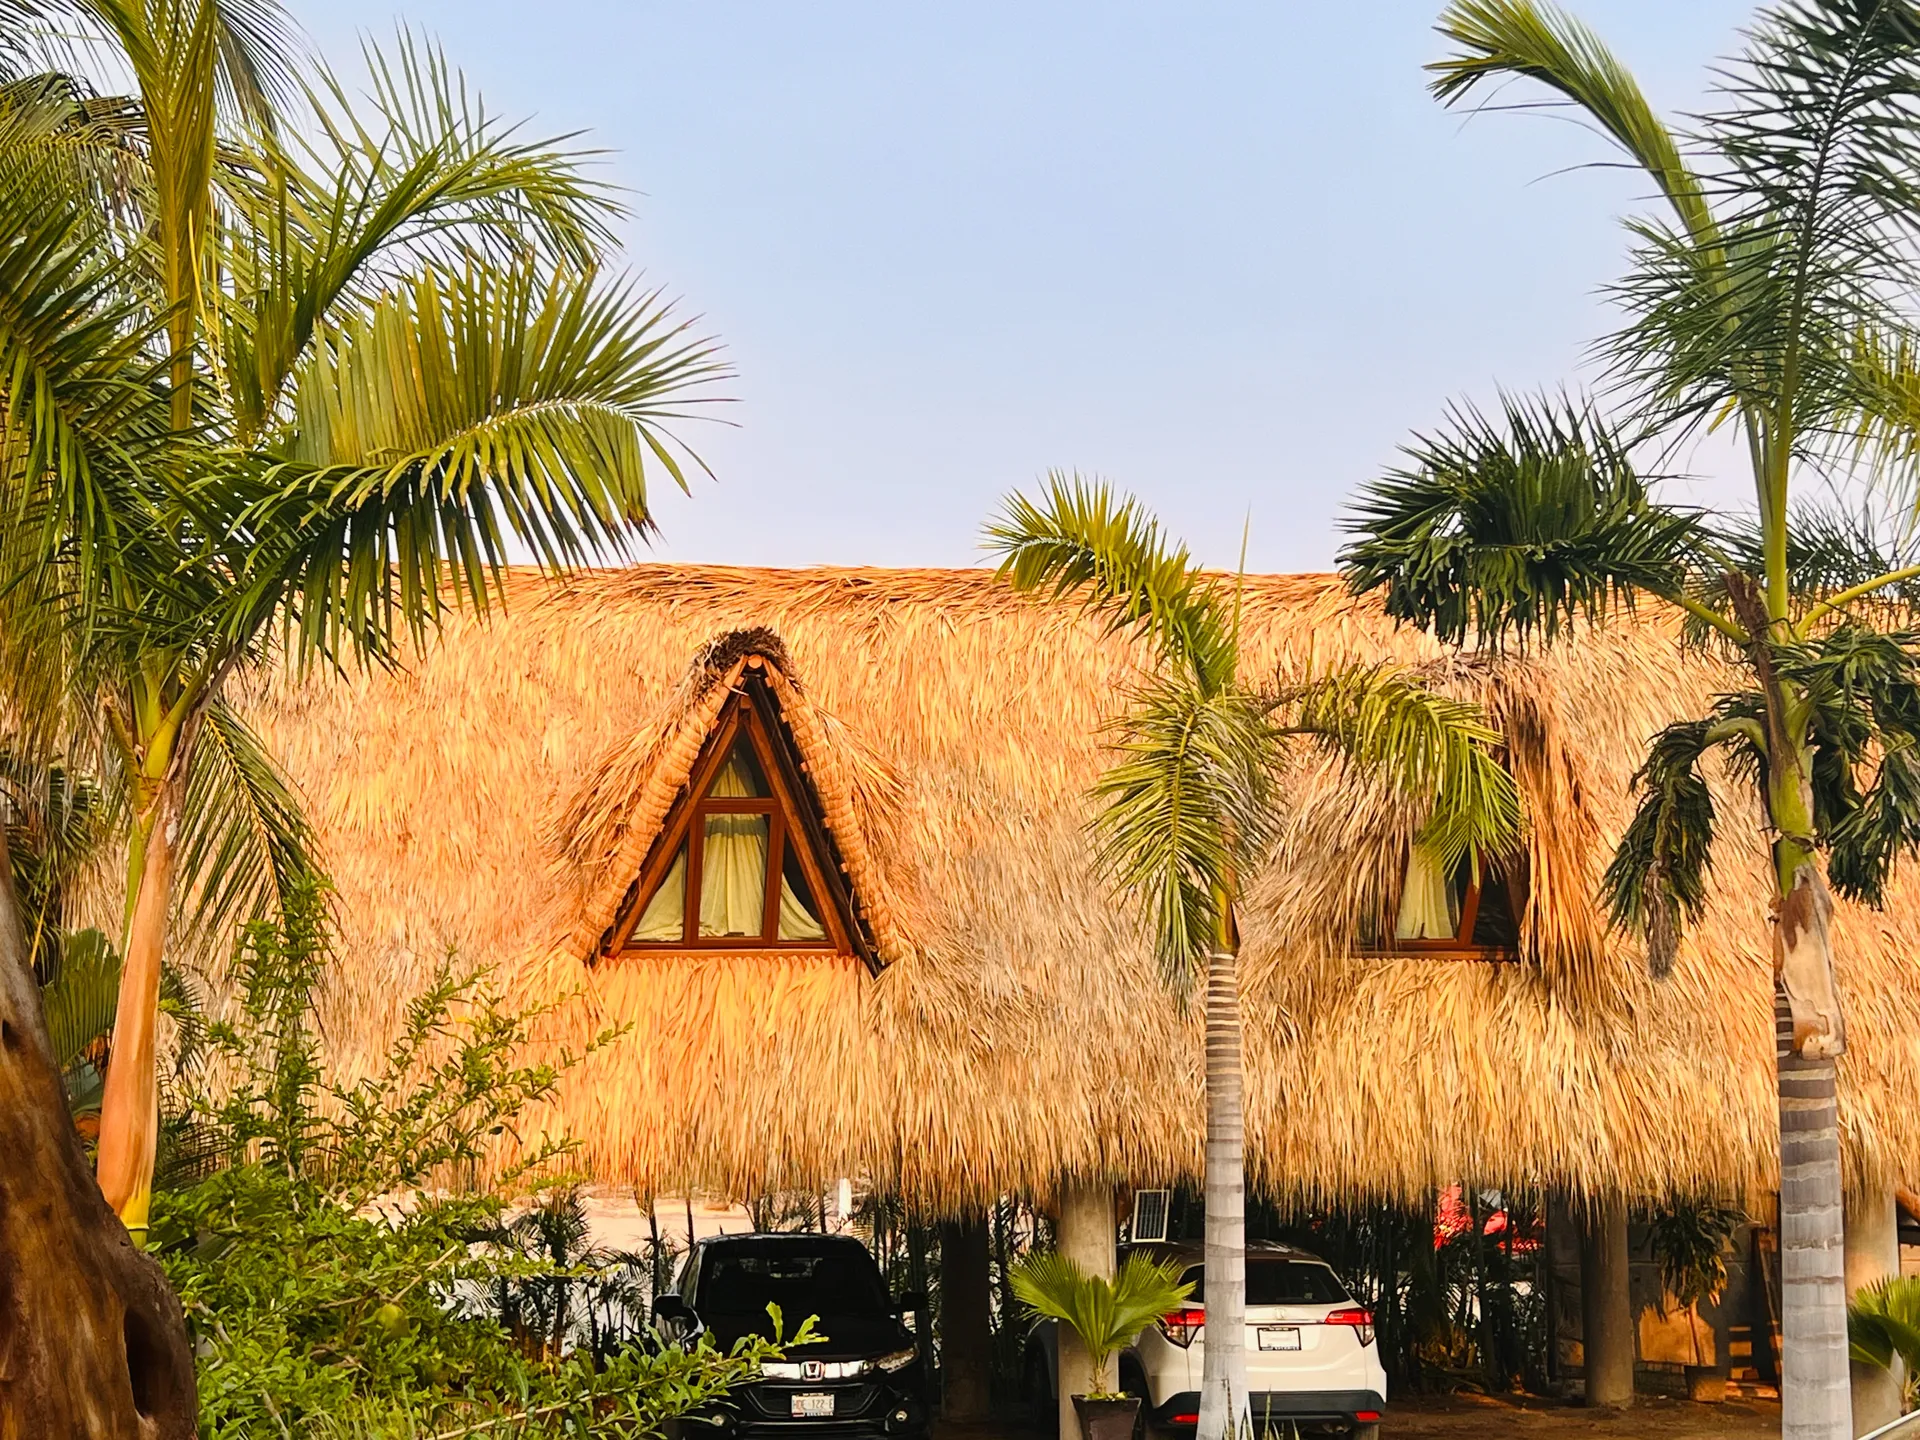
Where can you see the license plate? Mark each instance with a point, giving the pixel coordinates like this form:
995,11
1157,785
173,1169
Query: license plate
1279,1337
814,1406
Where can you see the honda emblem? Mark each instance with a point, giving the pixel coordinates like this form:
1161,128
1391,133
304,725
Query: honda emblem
812,1370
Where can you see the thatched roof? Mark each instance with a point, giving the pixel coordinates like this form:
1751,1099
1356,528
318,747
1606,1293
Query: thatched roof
497,801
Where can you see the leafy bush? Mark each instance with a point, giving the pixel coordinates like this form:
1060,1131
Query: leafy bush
1691,1240
336,1283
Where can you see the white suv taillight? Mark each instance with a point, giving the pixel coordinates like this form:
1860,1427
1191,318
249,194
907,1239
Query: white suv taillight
1360,1320
1180,1326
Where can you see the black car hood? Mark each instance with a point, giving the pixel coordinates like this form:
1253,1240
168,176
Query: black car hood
847,1337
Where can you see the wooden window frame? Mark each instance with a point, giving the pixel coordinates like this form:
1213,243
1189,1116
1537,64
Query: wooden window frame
751,714
1454,947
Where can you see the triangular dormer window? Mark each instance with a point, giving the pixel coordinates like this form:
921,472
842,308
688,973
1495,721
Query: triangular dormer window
744,860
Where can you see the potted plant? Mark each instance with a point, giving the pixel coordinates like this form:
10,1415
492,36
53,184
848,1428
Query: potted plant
1106,1317
1690,1242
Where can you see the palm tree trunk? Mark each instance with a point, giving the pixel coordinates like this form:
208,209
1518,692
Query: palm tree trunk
1816,1400
130,1103
1815,1391
93,1345
1223,1380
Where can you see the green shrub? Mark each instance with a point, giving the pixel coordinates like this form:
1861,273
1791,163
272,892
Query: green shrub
336,1280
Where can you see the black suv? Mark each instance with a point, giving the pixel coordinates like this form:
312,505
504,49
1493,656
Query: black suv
863,1380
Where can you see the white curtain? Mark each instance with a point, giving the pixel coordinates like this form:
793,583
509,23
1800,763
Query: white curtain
797,922
733,867
1429,905
665,917
733,875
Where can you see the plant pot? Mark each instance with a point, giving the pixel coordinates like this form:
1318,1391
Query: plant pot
1706,1384
1106,1419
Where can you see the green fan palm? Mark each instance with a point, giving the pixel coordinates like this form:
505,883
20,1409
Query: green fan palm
79,1003
308,383
1106,1315
1189,805
1883,1324
1769,296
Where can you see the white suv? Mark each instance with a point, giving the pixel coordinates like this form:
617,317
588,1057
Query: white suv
1311,1359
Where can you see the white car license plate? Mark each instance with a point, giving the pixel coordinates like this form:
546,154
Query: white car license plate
816,1405
1279,1337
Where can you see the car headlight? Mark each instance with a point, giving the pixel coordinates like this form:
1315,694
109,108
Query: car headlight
898,1360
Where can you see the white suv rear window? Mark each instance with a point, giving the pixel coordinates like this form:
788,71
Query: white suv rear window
1281,1282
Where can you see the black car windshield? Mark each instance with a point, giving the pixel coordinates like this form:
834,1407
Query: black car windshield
1280,1282
803,1280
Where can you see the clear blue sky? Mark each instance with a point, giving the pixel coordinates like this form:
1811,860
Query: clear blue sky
1226,255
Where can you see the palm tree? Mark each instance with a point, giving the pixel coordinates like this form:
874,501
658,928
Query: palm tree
1190,805
1765,297
289,390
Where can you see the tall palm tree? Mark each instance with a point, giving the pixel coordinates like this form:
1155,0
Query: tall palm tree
1769,295
296,389
1190,805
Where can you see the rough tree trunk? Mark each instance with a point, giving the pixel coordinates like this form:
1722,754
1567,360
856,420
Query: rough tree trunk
130,1104
1223,1377
93,1345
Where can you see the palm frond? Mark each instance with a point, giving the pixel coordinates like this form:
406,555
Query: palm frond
1819,197
1883,1323
83,406
465,411
55,128
1517,527
1886,365
1656,882
511,190
1829,550
1083,539
1384,721
1499,39
57,820
79,1002
245,846
261,51
1105,1315
1863,689
352,211
1185,812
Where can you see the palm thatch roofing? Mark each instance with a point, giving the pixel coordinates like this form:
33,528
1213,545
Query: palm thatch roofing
497,799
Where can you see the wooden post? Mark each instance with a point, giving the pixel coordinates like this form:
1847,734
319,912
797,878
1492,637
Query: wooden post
966,1324
1086,1234
1872,1253
1606,1305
